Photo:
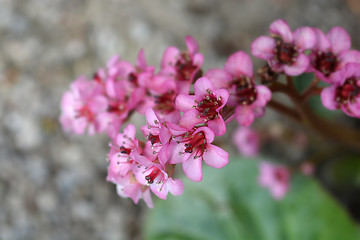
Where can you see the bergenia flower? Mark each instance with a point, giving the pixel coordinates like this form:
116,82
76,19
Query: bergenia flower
248,98
344,93
83,107
274,177
284,50
191,146
157,173
128,186
120,162
247,141
183,65
331,53
203,107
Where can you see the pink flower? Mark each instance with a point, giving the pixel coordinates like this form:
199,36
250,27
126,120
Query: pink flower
247,141
120,162
331,53
249,98
284,50
275,178
83,107
203,107
183,65
190,147
128,186
157,173
344,93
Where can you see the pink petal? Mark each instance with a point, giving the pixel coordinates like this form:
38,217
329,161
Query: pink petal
217,126
198,60
339,39
239,64
175,186
185,102
263,96
147,198
322,43
281,28
219,78
299,67
191,118
192,45
175,150
247,141
201,86
209,134
351,56
169,57
141,61
223,95
130,131
133,191
193,169
304,38
244,115
215,157
263,47
328,97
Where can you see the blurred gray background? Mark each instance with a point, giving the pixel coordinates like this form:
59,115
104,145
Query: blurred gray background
53,186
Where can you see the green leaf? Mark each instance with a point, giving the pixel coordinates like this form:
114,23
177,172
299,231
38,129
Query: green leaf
229,204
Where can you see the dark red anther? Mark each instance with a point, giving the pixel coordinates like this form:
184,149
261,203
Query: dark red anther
165,102
208,106
326,63
197,141
184,67
132,77
117,107
348,91
151,177
125,150
245,91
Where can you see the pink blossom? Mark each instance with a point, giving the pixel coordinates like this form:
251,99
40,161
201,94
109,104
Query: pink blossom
203,107
157,173
248,98
284,50
331,53
275,178
344,93
128,186
120,162
190,147
183,65
307,168
83,107
247,141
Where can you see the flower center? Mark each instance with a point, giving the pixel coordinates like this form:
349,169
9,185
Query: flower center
124,150
132,77
153,139
86,112
165,102
348,91
207,107
280,175
285,52
184,67
155,172
196,142
326,63
117,108
245,91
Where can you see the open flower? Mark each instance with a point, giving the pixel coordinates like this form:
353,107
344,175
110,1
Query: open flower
191,146
344,93
275,178
284,50
331,53
203,107
183,65
83,107
248,98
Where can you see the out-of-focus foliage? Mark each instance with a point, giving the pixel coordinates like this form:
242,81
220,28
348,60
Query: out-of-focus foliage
229,204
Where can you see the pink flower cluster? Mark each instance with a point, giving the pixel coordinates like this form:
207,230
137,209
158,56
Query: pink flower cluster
308,49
